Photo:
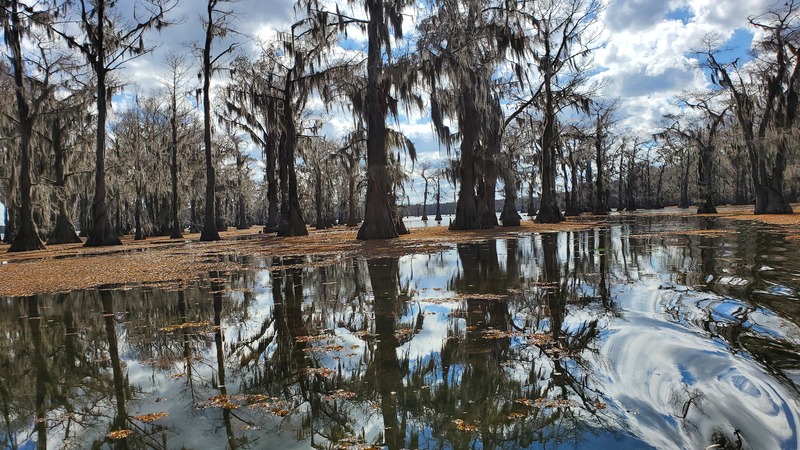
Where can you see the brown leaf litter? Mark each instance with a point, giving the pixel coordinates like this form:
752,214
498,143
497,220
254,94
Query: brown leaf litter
173,263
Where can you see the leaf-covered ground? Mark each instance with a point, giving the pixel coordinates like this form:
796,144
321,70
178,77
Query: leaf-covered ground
160,260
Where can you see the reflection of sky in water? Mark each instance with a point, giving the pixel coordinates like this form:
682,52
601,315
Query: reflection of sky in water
678,344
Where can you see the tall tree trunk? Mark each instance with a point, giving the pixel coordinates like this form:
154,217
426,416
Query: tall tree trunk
549,212
705,173
488,184
176,228
572,208
352,220
219,213
467,205
425,200
27,234
531,206
630,184
318,199
291,221
468,211
379,221
684,200
438,216
600,206
272,184
103,233
620,201
64,230
209,232
241,209
510,217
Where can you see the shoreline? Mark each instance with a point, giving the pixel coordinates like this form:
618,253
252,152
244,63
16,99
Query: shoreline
174,262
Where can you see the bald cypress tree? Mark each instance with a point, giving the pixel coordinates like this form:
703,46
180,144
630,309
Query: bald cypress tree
106,42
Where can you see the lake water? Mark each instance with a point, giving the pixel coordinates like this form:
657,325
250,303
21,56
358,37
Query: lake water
632,335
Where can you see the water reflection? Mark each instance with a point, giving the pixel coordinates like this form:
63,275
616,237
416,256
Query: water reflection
630,336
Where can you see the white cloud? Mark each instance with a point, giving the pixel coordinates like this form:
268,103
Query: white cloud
646,61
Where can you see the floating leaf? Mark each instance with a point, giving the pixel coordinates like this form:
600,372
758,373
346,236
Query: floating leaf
185,325
464,426
314,338
119,434
339,394
152,417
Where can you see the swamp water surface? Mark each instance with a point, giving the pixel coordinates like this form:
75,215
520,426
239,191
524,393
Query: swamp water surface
634,335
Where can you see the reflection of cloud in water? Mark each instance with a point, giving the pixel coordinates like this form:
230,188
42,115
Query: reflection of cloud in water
678,390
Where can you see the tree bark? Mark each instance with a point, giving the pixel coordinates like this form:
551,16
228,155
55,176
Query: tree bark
176,228
291,221
600,206
510,217
425,201
438,216
705,182
209,232
103,233
272,185
379,221
549,212
27,234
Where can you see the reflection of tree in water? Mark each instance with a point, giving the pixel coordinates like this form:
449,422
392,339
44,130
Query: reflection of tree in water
488,376
325,345
41,354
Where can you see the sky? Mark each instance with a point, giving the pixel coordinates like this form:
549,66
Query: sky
645,62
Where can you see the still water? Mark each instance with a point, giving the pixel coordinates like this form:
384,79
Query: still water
632,335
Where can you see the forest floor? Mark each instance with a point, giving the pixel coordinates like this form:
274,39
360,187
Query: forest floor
174,262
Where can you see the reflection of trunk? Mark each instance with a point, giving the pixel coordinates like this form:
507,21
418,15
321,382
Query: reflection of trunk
188,352
605,296
216,291
70,339
386,369
40,369
121,417
287,293
556,298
